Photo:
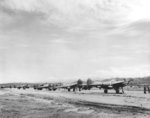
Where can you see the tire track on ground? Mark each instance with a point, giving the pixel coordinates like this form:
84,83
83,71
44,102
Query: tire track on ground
112,107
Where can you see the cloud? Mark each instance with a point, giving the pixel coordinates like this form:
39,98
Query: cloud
133,71
87,14
130,71
72,38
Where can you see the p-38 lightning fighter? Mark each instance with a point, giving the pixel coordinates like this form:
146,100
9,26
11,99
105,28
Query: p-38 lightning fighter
69,86
74,85
24,86
106,85
49,86
111,84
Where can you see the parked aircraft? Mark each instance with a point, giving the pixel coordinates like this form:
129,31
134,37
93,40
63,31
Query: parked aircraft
106,85
74,85
41,86
26,86
49,86
111,84
2,86
69,86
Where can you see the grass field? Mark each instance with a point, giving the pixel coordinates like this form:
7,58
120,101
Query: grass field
29,103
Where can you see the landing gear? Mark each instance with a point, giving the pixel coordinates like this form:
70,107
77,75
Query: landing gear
122,90
69,89
54,89
74,89
144,89
148,89
49,89
39,88
79,89
89,88
117,91
19,87
105,91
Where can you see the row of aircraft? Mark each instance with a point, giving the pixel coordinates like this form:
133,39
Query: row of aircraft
117,85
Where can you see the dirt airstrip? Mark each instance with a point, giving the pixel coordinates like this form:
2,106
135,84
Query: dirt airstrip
30,103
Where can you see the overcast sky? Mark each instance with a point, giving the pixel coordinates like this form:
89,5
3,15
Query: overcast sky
51,40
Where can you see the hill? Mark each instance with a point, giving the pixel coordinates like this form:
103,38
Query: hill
142,80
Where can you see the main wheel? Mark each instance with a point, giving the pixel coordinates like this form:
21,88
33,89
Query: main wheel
117,91
74,89
105,91
49,89
54,89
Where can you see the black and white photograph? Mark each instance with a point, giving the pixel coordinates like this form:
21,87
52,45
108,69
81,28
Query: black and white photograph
74,58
